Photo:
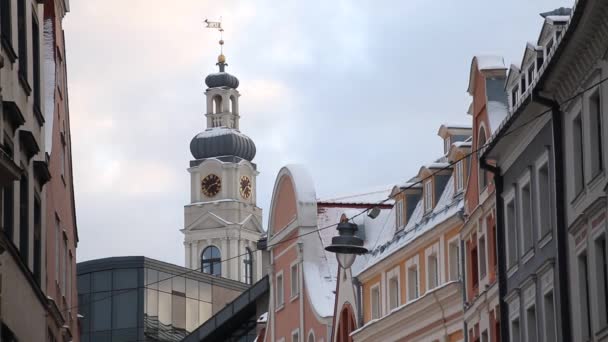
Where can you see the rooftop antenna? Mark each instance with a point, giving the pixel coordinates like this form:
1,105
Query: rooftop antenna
221,59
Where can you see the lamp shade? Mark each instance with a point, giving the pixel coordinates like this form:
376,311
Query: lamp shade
346,242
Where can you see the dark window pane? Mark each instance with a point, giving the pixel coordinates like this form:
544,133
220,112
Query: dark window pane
211,261
125,278
102,281
124,309
84,283
24,236
101,313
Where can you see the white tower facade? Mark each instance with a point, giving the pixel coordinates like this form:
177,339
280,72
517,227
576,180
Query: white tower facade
222,222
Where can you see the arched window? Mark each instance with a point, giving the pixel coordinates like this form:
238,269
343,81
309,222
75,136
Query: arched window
248,263
217,104
346,325
211,261
233,106
311,336
483,175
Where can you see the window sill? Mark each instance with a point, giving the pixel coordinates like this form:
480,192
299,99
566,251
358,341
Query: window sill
578,198
24,84
526,257
8,47
294,297
512,271
545,239
603,333
38,115
596,178
279,308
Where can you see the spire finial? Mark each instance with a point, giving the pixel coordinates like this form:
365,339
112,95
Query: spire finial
221,59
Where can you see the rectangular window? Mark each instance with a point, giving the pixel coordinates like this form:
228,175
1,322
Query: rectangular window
22,31
447,143
433,271
454,256
474,268
549,47
583,279
37,240
375,298
24,227
544,199
36,65
280,298
530,74
5,21
57,246
514,97
539,62
601,264
63,160
393,292
399,214
482,257
595,129
526,217
459,177
412,283
64,273
515,332
428,196
295,284
295,336
531,323
577,152
484,336
511,226
549,317
523,82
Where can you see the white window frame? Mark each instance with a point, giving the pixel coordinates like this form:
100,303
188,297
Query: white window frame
509,197
576,193
541,162
428,196
432,251
399,213
546,283
529,301
590,145
459,176
375,287
413,262
447,143
514,315
454,241
311,333
525,181
279,304
595,286
294,294
296,333
392,274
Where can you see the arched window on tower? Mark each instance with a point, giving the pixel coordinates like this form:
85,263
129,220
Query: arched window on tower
211,261
233,106
248,265
482,174
217,104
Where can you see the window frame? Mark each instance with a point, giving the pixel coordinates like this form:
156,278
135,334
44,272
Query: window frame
482,253
595,124
454,241
296,333
394,273
294,293
526,181
399,213
412,263
279,304
432,252
543,162
428,196
372,314
212,262
508,198
459,174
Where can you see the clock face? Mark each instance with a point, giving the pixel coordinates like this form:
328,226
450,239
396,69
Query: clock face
211,185
245,187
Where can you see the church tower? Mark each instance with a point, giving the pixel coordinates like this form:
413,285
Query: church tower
222,222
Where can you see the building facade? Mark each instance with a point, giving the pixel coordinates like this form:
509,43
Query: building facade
410,285
524,153
141,299
488,108
61,231
222,221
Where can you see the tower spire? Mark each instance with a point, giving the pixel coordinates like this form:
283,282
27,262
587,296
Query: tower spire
221,59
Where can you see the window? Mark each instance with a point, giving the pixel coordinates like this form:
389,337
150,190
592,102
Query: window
549,47
515,332
484,336
523,82
399,213
454,257
595,129
544,199
526,216
64,274
280,298
483,176
295,336
295,283
63,159
514,98
22,46
24,236
583,280
530,74
393,288
482,257
375,299
248,265
37,62
474,267
5,21
428,196
7,197
459,176
531,323
233,105
412,282
57,246
549,312
37,240
601,264
539,62
433,271
311,336
447,143
69,281
217,104
577,153
511,228
212,261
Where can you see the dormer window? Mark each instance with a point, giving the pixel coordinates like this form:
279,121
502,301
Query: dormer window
514,94
558,34
459,176
428,196
549,47
523,83
539,61
447,142
399,214
530,74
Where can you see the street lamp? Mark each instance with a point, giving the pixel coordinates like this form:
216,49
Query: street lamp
346,245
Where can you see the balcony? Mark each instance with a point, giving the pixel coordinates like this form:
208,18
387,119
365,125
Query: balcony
9,171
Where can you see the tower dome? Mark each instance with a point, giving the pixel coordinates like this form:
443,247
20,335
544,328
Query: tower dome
222,78
222,141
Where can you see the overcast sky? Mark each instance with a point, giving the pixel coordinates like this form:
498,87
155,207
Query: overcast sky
354,90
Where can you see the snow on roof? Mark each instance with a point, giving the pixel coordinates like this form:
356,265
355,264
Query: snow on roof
438,165
497,112
321,266
462,144
557,18
446,207
490,62
263,318
373,196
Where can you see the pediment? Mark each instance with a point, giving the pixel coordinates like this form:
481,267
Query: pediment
208,220
252,223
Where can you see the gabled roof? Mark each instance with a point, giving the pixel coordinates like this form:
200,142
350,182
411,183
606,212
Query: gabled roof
484,63
513,76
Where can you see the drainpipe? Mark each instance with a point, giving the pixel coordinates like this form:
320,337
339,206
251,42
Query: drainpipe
464,284
500,241
562,231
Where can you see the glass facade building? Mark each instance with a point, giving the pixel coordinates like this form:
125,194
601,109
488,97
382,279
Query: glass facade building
140,299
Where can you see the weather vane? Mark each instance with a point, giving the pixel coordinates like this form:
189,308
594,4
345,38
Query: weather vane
217,25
